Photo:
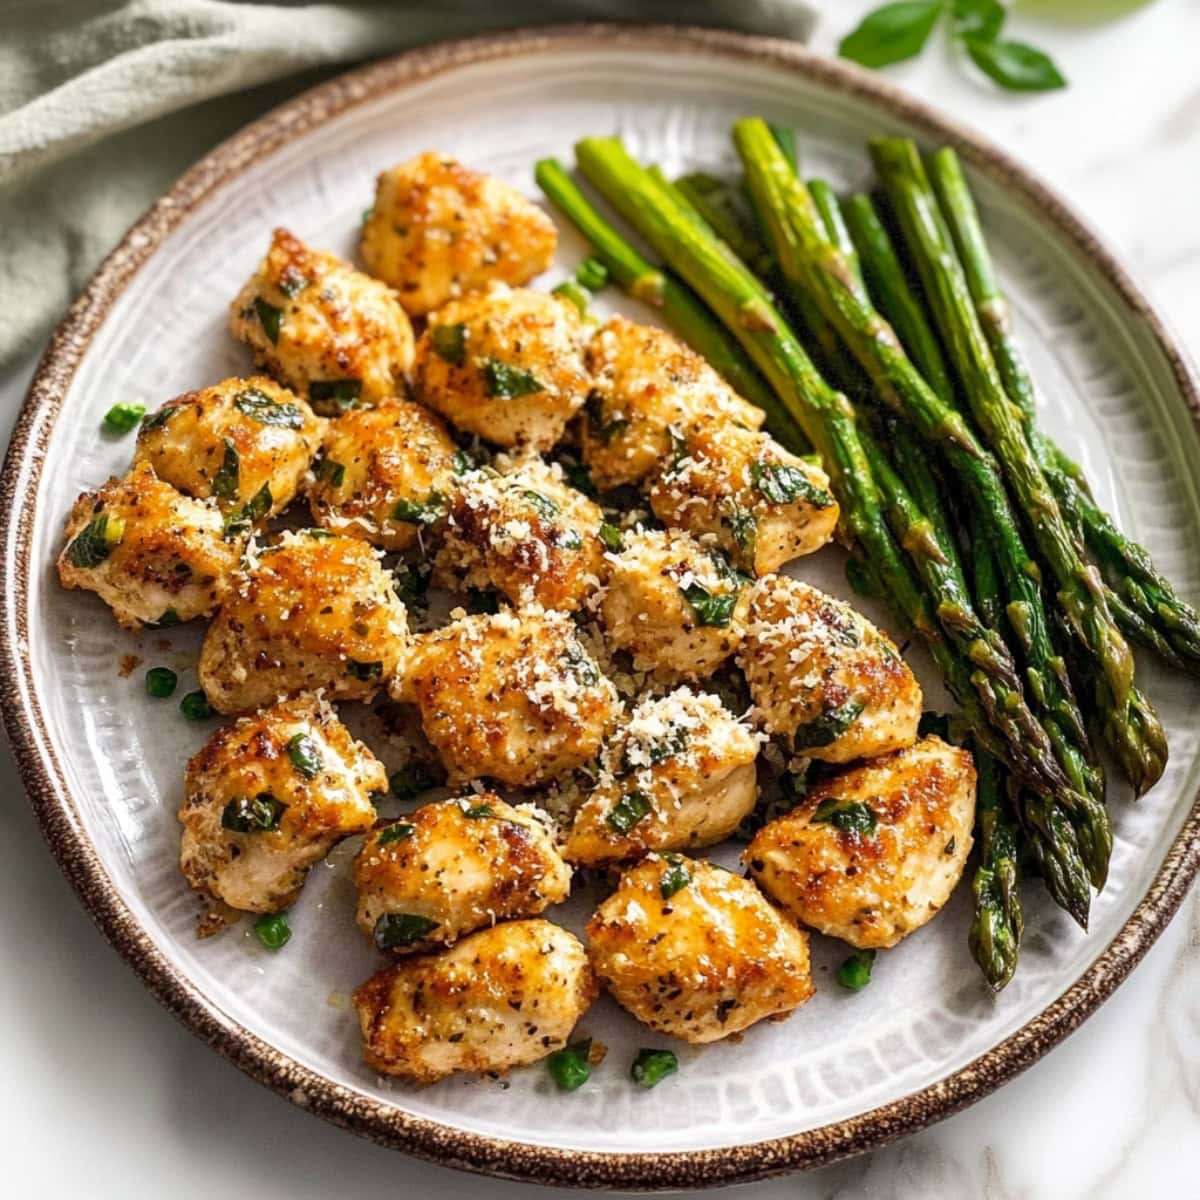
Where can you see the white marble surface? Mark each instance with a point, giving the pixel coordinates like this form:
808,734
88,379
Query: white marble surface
104,1095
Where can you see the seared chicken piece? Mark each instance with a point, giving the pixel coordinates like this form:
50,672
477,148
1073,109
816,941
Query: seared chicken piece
870,855
525,533
452,867
314,611
439,229
678,607
759,503
695,951
823,676
268,797
152,555
513,696
246,443
645,382
505,364
501,998
679,774
327,331
385,474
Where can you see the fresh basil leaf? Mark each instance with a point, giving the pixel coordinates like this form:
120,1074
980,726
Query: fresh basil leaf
269,317
305,755
846,816
509,383
628,811
744,527
545,508
258,814
892,33
402,929
420,512
225,481
713,611
449,343
828,727
781,483
95,541
674,879
610,535
258,406
253,510
340,394
978,18
156,420
1015,66
397,831
329,471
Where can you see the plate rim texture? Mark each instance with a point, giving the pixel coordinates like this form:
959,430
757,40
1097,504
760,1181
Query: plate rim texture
59,818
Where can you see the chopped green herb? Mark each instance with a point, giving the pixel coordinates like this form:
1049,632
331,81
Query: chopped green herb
330,471
570,290
409,782
364,670
402,929
161,682
846,816
341,394
599,426
591,274
258,406
121,418
168,619
463,462
545,508
420,512
257,507
744,527
828,727
305,755
610,535
653,1066
258,814
477,811
95,541
225,481
509,383
675,878
670,744
195,706
855,973
449,343
397,831
269,317
273,930
781,483
710,610
570,539
156,420
628,811
291,282
569,1066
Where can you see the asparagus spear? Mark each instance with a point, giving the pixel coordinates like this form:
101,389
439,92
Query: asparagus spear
995,934
1147,600
1138,744
680,307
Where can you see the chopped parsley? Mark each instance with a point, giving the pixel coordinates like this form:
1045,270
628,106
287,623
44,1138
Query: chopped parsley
675,878
545,508
610,535
397,831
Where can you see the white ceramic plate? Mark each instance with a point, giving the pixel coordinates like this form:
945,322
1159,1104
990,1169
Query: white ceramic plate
104,762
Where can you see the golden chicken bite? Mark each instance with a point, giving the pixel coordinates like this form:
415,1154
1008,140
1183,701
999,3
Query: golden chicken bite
679,608
246,443
524,532
270,795
153,555
501,998
872,854
695,951
678,775
506,364
439,229
740,488
329,332
452,867
314,611
644,381
385,473
513,696
821,675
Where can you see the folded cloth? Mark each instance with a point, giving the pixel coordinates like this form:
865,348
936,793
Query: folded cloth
104,102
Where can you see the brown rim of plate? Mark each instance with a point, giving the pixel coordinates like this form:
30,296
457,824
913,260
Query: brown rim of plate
59,817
